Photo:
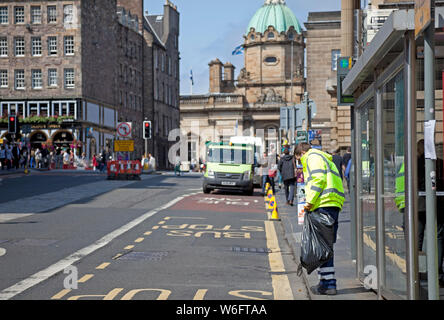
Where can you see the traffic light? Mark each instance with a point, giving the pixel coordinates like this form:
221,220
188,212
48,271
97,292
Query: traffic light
147,130
12,124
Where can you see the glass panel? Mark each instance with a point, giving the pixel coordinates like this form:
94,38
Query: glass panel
394,186
367,189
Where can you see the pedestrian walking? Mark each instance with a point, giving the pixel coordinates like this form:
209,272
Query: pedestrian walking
32,159
38,158
177,166
103,162
95,162
264,171
9,157
272,169
324,194
287,168
3,157
346,158
337,160
152,162
16,156
422,212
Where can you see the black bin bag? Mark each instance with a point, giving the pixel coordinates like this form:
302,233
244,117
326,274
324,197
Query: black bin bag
317,241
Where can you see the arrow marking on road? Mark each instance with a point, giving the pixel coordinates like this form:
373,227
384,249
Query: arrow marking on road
2,252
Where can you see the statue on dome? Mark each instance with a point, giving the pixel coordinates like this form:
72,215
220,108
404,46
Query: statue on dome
267,2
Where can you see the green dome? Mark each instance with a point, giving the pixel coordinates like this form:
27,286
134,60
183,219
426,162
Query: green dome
274,13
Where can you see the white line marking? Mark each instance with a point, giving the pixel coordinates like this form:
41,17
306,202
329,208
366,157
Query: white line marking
2,252
43,275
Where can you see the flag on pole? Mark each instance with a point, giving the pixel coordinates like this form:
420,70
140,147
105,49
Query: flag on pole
191,77
238,50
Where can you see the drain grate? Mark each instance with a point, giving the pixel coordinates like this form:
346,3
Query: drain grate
251,250
144,256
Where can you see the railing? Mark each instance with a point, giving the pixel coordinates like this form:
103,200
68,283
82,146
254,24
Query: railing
212,100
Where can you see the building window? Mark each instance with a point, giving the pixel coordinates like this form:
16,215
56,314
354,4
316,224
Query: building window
52,14
291,36
270,35
36,79
19,46
3,47
3,78
69,45
36,14
68,13
270,60
69,78
335,54
156,61
36,47
4,15
19,79
52,77
19,14
52,46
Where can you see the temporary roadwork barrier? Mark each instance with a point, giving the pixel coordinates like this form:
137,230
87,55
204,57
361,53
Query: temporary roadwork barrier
124,170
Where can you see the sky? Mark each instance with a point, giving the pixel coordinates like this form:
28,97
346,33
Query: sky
211,29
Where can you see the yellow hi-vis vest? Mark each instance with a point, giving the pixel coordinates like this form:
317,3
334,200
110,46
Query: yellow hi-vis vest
323,183
400,188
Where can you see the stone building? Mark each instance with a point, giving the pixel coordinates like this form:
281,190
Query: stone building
87,61
323,43
163,43
272,77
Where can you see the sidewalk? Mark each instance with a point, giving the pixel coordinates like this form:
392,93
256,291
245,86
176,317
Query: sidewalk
349,287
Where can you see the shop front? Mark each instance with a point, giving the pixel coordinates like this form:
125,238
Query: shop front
388,157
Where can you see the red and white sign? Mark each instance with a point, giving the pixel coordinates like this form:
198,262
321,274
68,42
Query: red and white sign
124,129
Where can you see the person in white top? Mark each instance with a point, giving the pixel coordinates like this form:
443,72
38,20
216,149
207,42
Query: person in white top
152,162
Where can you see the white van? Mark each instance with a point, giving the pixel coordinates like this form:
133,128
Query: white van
259,149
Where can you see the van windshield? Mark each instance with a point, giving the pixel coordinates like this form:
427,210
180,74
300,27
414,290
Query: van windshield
230,156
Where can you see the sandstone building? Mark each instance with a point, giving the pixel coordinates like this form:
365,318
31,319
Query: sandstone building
272,77
323,43
90,62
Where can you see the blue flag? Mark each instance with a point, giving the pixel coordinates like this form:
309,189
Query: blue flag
238,50
191,77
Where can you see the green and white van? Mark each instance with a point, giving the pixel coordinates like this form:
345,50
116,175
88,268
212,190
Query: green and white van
229,166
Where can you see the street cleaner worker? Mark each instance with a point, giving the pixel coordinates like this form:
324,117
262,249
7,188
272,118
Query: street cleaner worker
325,194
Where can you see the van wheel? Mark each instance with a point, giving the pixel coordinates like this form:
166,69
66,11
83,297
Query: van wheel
206,190
250,192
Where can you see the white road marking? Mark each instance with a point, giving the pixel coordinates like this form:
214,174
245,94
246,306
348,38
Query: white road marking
2,252
45,274
5,217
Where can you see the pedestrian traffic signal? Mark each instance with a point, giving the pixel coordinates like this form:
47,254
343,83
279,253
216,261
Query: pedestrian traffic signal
12,124
147,130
